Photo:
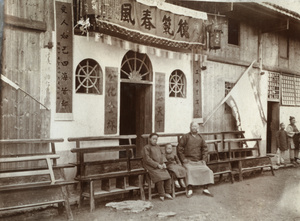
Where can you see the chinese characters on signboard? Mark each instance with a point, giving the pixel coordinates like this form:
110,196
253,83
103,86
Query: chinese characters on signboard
197,99
111,100
151,20
64,56
159,102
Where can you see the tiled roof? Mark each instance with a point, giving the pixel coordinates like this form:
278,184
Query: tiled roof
280,9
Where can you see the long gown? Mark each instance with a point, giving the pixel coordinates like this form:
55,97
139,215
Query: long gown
173,165
152,157
194,149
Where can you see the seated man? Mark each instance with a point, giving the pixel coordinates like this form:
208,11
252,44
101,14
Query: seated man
192,151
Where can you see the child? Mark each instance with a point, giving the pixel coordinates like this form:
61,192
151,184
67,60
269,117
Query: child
282,143
175,166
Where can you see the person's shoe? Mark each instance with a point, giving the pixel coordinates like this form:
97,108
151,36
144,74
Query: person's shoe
206,192
168,196
176,184
189,193
182,183
162,198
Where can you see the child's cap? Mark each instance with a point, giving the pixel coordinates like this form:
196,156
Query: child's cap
281,124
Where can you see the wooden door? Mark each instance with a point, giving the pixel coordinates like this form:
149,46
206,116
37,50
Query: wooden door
272,126
136,111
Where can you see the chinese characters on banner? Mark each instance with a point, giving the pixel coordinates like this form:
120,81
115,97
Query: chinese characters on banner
159,102
111,100
197,96
147,19
64,56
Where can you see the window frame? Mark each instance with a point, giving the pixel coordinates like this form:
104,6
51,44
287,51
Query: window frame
184,84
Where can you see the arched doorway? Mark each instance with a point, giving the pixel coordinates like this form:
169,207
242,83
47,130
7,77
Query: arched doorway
136,96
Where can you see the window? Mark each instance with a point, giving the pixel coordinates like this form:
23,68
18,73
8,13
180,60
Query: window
290,90
273,86
136,67
88,77
233,32
177,84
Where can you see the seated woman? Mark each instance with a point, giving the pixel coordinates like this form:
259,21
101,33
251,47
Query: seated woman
175,166
154,161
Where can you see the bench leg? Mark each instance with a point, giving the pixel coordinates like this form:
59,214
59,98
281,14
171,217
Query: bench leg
240,171
92,199
65,193
81,198
231,177
173,186
149,187
272,170
142,191
220,177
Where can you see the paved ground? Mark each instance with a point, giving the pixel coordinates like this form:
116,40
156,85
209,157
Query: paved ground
258,197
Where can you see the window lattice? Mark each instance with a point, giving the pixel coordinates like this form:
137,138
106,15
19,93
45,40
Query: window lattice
290,90
88,77
177,84
273,86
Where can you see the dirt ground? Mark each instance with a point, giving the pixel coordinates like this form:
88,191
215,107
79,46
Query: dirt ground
258,197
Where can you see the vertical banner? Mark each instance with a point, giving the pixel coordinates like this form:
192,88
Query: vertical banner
64,59
197,97
111,100
159,102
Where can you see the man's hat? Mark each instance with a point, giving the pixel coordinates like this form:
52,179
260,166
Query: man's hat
292,118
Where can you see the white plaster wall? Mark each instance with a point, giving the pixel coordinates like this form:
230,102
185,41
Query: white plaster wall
88,109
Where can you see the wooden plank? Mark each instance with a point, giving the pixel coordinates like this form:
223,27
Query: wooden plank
50,170
25,23
30,141
99,149
37,185
242,139
93,138
24,173
31,205
28,158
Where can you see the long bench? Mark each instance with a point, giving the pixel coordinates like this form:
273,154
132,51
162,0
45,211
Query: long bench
32,178
104,177
219,167
247,158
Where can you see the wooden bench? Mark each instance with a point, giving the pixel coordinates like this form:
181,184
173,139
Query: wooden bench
218,166
32,178
105,177
247,158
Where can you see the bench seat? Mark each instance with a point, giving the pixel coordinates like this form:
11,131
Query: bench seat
111,175
44,184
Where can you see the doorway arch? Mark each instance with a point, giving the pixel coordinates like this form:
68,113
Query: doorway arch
136,96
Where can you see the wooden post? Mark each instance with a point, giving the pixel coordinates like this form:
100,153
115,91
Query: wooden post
92,200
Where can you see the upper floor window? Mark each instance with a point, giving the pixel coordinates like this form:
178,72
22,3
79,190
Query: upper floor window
177,84
88,77
233,32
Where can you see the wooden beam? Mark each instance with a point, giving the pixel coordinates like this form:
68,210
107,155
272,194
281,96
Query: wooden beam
25,23
283,27
223,60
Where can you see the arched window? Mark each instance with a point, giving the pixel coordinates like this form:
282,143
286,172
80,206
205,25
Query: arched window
136,67
88,77
177,84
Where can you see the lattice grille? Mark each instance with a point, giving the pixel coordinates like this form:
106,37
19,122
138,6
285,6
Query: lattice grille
274,86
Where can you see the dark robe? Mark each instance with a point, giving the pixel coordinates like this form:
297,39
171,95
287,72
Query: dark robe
282,140
152,157
195,150
173,165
